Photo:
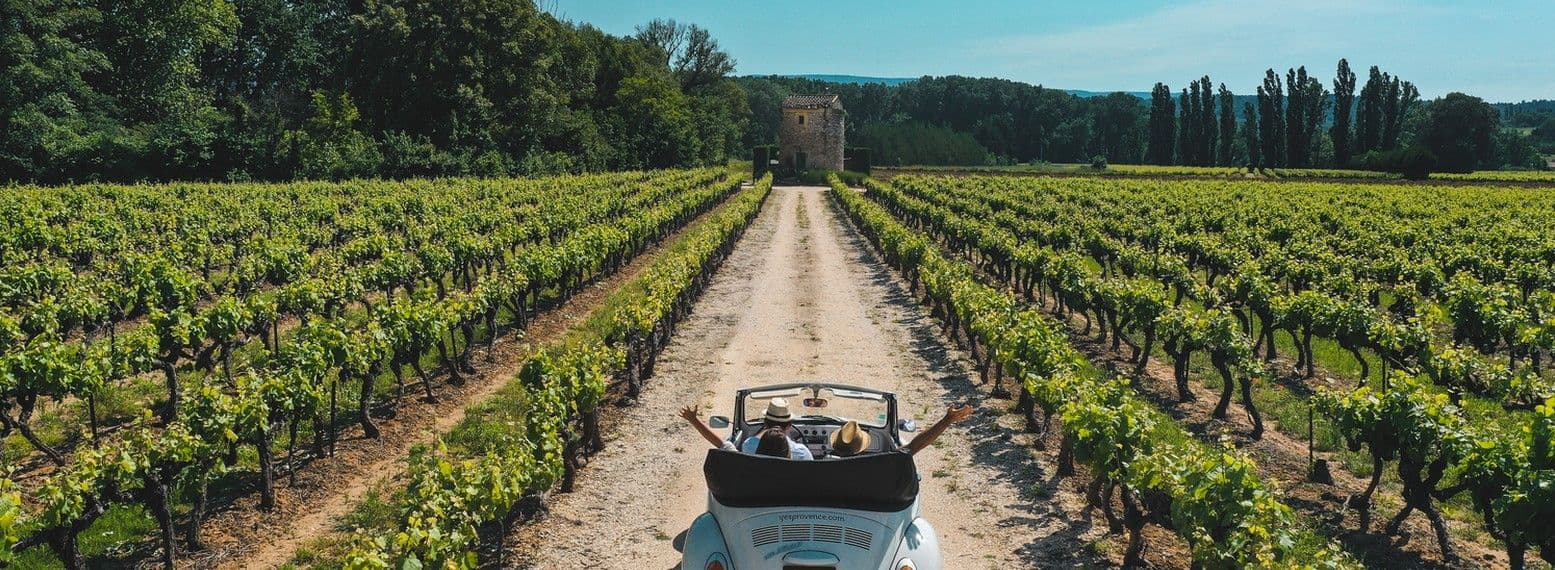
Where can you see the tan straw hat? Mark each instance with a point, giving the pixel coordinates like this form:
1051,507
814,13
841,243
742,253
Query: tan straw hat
849,440
777,411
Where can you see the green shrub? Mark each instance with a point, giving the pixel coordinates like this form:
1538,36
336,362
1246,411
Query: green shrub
1414,163
821,177
415,156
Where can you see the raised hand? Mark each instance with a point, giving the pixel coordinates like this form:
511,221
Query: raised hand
690,413
953,414
956,414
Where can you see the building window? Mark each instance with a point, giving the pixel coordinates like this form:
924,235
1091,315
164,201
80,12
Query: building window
801,119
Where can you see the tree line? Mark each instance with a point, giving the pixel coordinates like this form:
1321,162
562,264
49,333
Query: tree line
1537,117
1010,121
130,90
1384,126
126,90
1291,120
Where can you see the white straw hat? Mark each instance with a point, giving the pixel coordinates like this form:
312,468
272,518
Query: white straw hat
777,411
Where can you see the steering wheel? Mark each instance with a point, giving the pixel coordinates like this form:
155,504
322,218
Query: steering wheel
794,433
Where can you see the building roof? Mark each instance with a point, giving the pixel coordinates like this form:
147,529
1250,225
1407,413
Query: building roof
812,101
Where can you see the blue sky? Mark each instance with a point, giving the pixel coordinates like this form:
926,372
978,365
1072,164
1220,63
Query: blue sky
1502,50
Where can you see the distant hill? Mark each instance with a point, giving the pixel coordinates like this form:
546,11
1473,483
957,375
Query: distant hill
1145,95
1507,109
853,79
894,81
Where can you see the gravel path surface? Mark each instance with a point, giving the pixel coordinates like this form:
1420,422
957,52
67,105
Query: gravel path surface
804,297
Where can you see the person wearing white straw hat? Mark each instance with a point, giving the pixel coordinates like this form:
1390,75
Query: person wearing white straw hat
777,419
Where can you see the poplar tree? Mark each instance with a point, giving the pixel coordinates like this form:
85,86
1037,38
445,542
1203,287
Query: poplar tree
1385,102
1271,121
1208,122
1368,130
1316,103
1250,133
1344,100
1390,95
1295,105
1163,126
1182,129
1304,109
1402,95
1196,123
1227,125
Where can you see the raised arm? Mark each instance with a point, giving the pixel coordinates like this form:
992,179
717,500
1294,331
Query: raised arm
690,413
952,415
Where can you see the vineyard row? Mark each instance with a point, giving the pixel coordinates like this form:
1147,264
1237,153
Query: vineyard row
1211,496
1508,475
298,380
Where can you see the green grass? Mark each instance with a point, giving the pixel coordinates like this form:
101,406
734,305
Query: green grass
103,544
378,512
1337,368
1288,412
64,426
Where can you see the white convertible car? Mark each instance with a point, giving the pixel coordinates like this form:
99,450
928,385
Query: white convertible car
767,513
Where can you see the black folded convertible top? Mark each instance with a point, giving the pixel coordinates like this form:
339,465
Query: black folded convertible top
881,482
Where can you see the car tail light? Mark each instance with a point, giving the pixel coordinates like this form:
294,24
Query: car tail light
717,562
715,565
906,564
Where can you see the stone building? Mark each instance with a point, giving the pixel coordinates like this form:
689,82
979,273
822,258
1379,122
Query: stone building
812,133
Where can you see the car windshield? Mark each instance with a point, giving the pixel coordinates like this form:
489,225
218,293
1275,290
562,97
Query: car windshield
866,408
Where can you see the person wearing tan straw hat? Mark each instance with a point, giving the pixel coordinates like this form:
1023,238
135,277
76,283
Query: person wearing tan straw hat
776,420
849,440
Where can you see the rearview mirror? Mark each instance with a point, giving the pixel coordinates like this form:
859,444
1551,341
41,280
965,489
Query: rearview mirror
908,426
718,422
815,402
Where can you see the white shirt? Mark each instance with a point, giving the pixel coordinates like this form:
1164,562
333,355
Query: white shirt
796,450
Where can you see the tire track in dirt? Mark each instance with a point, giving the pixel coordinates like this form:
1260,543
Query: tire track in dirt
803,297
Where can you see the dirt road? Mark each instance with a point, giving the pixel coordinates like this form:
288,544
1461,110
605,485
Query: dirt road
803,297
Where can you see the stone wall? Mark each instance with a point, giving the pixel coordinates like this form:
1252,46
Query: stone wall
820,137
